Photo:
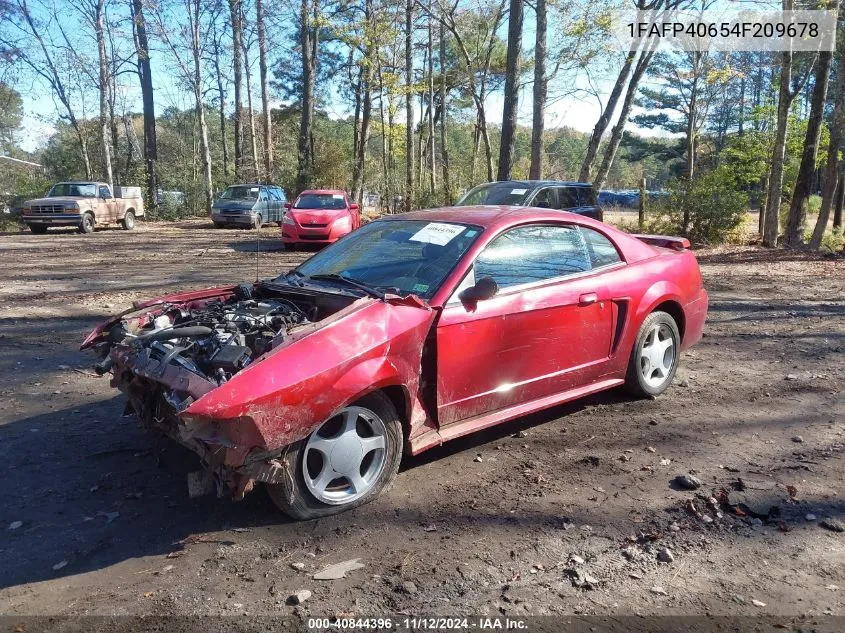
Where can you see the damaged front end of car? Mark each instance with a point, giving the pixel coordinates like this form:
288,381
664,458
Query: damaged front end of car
238,374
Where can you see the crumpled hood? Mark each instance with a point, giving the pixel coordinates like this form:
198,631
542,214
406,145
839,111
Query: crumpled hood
317,216
368,344
234,205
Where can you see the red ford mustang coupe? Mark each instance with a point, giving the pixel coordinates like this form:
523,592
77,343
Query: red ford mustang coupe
413,330
320,216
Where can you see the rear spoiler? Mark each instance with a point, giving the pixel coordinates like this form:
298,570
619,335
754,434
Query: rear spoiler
664,241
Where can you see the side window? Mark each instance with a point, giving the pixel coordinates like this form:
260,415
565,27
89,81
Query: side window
280,195
545,199
104,192
567,197
588,196
533,253
602,251
263,197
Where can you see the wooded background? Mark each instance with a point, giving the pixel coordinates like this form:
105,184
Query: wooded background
402,100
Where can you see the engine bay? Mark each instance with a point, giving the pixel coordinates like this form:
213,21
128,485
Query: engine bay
219,338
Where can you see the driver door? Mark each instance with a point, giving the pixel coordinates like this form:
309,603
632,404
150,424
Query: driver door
547,330
107,205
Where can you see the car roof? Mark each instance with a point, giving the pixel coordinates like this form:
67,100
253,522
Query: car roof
323,191
492,216
538,183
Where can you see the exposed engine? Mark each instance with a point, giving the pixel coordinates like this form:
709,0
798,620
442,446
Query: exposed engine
217,340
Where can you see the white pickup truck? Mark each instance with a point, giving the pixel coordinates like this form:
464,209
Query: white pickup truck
85,205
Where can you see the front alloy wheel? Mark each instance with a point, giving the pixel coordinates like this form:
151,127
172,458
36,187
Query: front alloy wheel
654,358
347,461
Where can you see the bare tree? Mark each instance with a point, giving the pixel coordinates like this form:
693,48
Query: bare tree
832,168
236,22
265,89
193,38
444,135
44,64
216,57
142,52
309,44
512,80
541,89
793,237
409,105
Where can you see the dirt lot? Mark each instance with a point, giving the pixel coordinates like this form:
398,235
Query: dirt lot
565,512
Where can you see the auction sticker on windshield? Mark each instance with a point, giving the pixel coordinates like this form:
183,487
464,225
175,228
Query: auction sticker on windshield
437,233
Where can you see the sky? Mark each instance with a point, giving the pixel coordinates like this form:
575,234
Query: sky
579,113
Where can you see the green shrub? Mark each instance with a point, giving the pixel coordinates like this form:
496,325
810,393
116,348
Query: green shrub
713,203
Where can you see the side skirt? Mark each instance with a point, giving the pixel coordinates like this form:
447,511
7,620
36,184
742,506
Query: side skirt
471,425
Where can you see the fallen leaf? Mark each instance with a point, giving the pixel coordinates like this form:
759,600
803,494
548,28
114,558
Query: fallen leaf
338,570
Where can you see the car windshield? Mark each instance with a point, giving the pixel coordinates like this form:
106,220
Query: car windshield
74,189
402,256
240,193
511,193
320,201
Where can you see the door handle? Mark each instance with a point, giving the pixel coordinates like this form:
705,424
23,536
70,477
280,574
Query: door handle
587,299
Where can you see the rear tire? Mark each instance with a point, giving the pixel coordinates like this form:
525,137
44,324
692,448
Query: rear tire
87,225
297,499
654,359
128,220
38,230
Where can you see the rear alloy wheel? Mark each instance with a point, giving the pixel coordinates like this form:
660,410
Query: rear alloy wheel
655,356
128,221
347,461
38,229
87,225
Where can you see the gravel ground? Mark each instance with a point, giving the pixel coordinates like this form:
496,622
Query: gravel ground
570,511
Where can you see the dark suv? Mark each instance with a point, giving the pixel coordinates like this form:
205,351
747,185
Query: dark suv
576,197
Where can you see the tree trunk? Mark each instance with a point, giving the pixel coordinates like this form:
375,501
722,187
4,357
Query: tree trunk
831,171
540,93
256,170
267,123
363,137
619,128
105,133
770,220
794,237
509,110
431,151
840,200
221,95
208,189
142,51
606,116
308,43
409,105
444,137
237,47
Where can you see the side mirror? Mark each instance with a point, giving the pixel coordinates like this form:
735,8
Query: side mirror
287,205
485,288
353,207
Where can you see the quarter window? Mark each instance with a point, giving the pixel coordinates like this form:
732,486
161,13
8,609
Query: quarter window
104,192
533,253
602,251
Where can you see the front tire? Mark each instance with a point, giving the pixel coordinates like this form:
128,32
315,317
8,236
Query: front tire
258,222
654,359
128,220
347,461
87,225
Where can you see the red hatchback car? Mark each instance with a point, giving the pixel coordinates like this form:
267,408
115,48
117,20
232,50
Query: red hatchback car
319,216
413,330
